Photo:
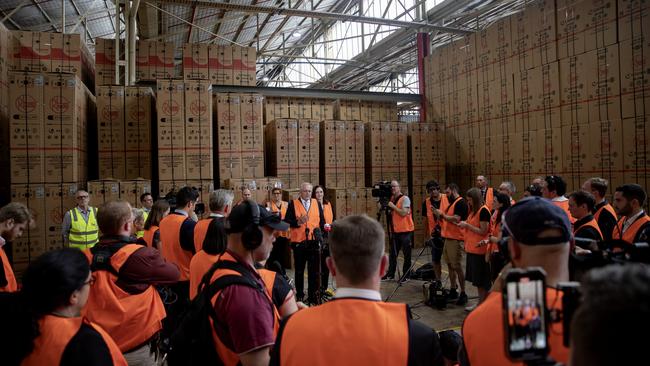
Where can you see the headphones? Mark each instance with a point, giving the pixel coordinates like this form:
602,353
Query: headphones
252,236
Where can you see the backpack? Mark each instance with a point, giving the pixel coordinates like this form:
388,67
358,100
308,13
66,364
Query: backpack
191,343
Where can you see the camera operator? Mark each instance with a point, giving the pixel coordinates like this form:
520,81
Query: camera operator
303,216
614,303
435,201
453,234
605,214
356,328
403,228
634,225
538,234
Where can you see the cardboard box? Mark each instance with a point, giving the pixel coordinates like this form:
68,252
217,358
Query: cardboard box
170,107
590,86
138,120
111,132
103,190
252,135
247,67
198,129
195,61
227,115
161,56
131,190
636,157
585,25
633,15
223,74
635,76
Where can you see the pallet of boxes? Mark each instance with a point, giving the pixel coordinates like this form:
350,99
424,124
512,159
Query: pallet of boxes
47,82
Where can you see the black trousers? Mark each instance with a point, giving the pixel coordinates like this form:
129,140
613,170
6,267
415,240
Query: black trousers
303,256
400,241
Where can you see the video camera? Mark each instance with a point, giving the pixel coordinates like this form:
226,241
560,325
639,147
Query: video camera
382,191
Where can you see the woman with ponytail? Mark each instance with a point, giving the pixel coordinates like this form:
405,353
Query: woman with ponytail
43,324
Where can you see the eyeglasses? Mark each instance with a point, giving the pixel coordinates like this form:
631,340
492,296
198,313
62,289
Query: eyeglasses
81,197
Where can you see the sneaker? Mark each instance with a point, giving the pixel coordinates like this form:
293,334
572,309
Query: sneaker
387,278
470,308
462,299
453,294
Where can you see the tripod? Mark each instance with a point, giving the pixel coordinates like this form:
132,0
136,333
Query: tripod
408,272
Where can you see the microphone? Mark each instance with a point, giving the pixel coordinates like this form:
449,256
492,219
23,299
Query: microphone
318,234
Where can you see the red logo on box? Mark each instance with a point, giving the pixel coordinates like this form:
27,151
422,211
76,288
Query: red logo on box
59,104
26,103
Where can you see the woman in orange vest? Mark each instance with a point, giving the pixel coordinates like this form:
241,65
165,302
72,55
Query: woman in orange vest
476,232
328,215
496,260
280,253
47,327
151,236
213,246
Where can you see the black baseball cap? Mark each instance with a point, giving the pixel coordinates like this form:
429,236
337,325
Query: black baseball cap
242,215
531,216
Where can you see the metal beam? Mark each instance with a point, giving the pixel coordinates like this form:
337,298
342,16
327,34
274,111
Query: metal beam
316,14
10,20
47,17
278,28
14,10
319,93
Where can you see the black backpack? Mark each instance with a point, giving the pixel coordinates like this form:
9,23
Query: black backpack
191,343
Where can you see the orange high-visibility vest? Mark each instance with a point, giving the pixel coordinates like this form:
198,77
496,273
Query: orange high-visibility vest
495,230
328,215
593,223
12,285
200,231
630,234
228,357
472,238
431,218
170,230
363,332
55,334
483,332
565,206
451,230
313,220
199,265
269,279
402,224
149,234
606,207
283,212
130,319
489,198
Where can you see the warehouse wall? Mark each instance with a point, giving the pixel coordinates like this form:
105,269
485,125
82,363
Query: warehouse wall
561,87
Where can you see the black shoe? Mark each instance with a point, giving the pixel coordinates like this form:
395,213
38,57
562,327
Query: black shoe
462,299
387,278
404,279
453,294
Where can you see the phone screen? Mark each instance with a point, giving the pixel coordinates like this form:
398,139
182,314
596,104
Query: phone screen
524,302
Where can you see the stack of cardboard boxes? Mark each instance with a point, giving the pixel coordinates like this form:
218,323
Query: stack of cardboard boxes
240,135
386,149
355,110
105,190
426,142
325,109
222,65
124,117
343,154
44,118
185,153
351,201
260,187
559,87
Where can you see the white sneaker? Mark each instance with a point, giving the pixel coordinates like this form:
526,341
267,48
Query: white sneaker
470,308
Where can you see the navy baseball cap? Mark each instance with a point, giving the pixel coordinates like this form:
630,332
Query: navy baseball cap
242,215
528,218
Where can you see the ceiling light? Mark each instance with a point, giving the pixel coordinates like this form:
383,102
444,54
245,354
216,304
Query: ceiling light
296,34
265,79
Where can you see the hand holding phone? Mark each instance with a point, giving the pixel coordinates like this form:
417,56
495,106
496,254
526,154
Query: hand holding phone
524,309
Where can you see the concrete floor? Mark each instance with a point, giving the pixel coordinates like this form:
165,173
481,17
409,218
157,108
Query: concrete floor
411,293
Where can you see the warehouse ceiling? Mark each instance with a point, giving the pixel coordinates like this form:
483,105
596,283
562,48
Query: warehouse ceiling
286,33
